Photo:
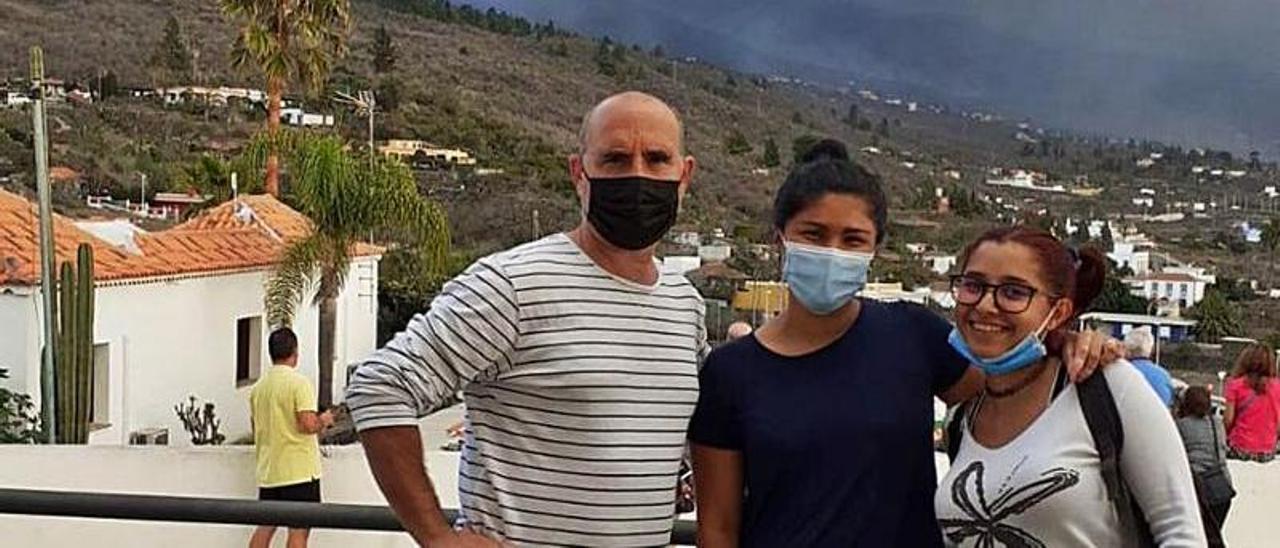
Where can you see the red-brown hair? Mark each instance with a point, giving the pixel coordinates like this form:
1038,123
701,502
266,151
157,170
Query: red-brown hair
1075,275
1257,363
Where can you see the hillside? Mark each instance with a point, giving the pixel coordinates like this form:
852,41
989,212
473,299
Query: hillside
516,101
513,93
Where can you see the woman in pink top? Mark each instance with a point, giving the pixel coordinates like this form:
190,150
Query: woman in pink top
1253,405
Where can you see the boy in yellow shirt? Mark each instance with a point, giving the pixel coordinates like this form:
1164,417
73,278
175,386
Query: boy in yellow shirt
285,424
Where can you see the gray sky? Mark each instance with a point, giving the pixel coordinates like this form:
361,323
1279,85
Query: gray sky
1199,72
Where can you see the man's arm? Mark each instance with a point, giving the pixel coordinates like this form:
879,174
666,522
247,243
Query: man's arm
395,456
470,329
310,422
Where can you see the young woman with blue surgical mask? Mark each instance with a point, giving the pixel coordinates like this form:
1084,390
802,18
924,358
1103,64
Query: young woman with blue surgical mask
1028,471
817,429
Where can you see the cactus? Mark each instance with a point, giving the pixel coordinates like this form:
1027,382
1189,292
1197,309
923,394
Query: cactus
73,364
201,424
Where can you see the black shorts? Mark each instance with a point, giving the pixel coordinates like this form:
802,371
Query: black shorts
297,492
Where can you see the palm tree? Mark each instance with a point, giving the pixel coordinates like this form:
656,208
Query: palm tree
1216,318
348,199
287,40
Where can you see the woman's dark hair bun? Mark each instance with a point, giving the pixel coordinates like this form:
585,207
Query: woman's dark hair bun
826,149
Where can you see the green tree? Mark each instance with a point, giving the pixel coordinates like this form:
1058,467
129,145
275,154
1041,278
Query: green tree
389,94
108,85
1117,297
347,199
287,41
736,143
801,145
1271,243
383,50
1215,316
770,158
606,61
19,419
171,60
851,118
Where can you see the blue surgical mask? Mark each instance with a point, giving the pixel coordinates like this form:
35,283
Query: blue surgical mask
1023,354
824,279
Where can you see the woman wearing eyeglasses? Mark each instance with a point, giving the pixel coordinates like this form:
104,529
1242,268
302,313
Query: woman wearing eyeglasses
817,429
1029,471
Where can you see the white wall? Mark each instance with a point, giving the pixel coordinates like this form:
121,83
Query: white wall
177,338
20,340
221,472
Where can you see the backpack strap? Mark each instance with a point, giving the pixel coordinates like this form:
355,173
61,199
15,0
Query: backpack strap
955,429
1103,420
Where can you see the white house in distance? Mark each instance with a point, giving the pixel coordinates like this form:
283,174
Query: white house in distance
1126,254
1176,285
178,312
295,116
410,148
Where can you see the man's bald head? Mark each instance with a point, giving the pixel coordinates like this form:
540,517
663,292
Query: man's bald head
635,104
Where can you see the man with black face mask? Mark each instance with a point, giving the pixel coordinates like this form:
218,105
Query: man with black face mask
577,357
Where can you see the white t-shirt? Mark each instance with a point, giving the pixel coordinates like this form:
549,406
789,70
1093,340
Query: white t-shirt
1045,489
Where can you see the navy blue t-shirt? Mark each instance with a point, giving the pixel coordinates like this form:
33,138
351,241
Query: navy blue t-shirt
837,445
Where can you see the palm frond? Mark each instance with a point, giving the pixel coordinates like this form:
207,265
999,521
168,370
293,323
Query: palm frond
292,279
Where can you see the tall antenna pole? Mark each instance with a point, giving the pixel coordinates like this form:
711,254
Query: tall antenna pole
47,289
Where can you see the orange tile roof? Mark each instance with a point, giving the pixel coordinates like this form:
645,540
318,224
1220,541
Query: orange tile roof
216,240
59,174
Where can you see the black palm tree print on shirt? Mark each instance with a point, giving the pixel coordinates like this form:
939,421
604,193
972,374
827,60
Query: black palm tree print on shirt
983,519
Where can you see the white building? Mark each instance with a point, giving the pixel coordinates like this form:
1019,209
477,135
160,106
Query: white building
894,292
177,313
412,148
681,264
715,253
16,99
1177,287
294,116
688,238
218,96
1126,254
940,264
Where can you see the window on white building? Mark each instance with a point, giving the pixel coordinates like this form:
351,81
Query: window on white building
248,350
100,411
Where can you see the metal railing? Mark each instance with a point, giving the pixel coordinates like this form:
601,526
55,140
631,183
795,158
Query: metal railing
360,517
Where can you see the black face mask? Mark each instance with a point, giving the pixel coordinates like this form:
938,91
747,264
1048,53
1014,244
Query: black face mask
633,212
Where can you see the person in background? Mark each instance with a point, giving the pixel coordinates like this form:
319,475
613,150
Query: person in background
285,427
1138,345
737,330
1204,437
1253,405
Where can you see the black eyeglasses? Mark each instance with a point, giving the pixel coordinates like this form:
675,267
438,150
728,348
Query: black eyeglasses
1010,298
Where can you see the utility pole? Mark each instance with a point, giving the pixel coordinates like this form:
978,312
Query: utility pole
41,142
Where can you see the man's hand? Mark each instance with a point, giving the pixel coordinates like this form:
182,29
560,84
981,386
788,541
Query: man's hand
1085,351
326,419
463,538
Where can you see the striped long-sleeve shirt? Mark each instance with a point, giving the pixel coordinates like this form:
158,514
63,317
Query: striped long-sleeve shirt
578,387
